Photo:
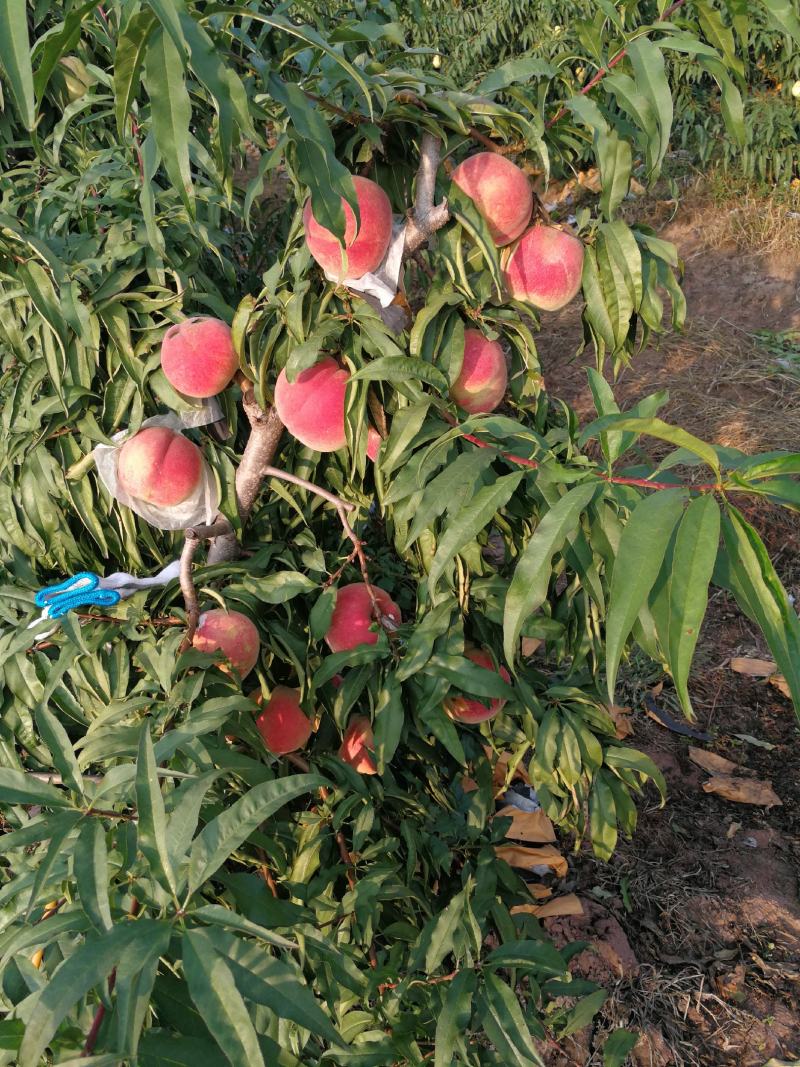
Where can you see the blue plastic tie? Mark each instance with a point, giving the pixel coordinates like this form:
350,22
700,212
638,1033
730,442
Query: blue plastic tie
82,589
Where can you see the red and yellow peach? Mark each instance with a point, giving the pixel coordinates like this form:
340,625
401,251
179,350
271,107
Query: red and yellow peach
364,245
312,406
283,724
230,633
481,383
159,466
501,192
198,357
352,622
545,268
358,746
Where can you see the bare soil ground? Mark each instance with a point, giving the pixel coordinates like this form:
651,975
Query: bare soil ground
695,925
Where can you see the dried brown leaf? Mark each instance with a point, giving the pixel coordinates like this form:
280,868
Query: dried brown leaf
712,762
532,826
569,904
743,790
528,858
754,668
622,720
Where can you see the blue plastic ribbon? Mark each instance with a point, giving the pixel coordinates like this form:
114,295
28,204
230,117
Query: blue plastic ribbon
82,589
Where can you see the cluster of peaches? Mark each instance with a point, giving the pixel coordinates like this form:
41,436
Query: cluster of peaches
542,266
282,722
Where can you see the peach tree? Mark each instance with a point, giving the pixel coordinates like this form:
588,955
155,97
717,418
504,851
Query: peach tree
248,809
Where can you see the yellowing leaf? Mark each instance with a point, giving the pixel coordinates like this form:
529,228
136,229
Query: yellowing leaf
559,906
742,790
527,858
712,762
532,826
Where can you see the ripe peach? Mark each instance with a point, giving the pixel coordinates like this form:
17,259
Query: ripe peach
374,441
501,191
545,268
363,250
312,406
352,623
481,384
159,466
198,357
231,633
358,745
467,709
283,724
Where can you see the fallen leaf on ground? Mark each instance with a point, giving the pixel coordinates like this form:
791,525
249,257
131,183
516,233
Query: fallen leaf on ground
742,790
761,668
663,718
558,906
731,985
777,681
754,668
755,741
532,826
622,720
733,830
527,858
711,762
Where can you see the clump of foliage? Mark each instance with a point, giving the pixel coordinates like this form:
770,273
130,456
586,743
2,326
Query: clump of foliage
170,890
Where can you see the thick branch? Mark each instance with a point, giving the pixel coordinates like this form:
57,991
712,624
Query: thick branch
427,217
265,434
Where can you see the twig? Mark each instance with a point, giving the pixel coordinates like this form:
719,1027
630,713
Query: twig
499,149
611,64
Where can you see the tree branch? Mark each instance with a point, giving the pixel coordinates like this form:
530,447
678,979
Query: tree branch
265,434
427,217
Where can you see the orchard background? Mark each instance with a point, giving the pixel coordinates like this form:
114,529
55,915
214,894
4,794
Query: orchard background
327,879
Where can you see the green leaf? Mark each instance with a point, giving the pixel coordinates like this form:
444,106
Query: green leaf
186,804
277,985
438,937
17,787
88,966
638,561
135,978
468,523
90,861
505,1025
57,740
765,598
541,956
454,483
213,990
128,60
15,58
583,1012
693,561
388,723
529,585
217,915
617,1048
629,759
783,13
453,1021
651,79
401,369
171,111
151,827
514,71
228,831
602,818
655,428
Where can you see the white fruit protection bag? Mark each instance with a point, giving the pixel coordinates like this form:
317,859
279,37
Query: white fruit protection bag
382,283
197,509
